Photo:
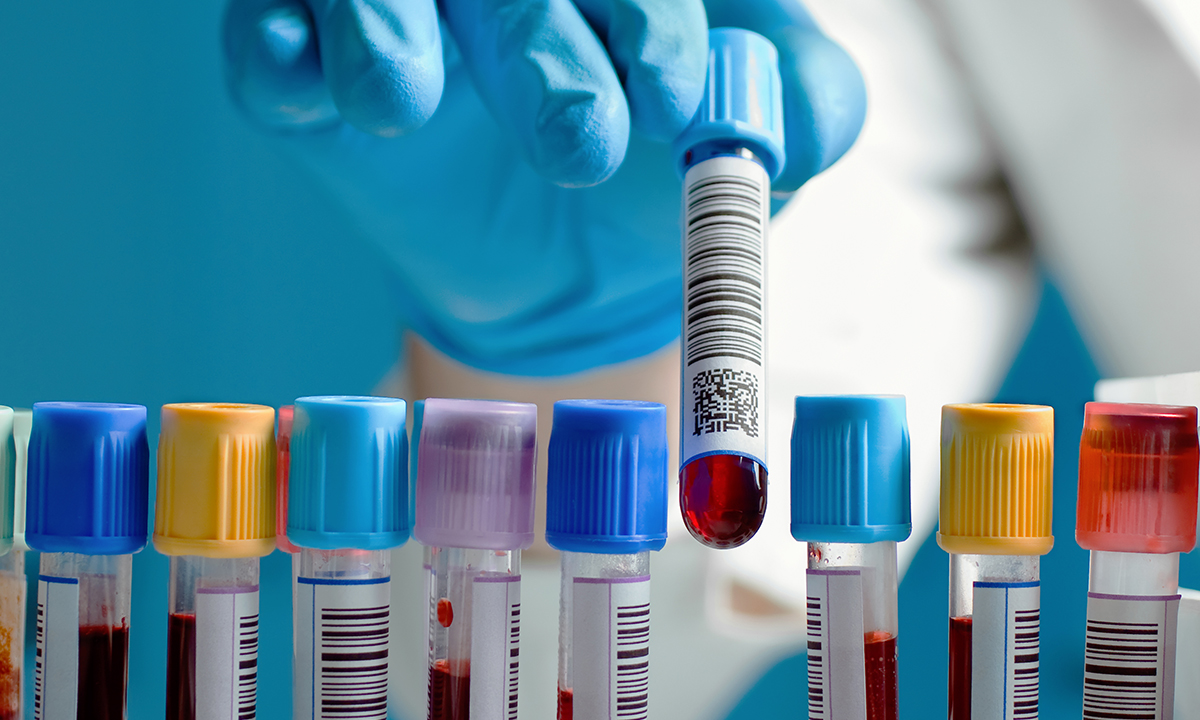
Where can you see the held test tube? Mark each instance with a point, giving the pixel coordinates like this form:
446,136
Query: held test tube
1136,513
87,499
728,155
994,515
475,494
12,579
606,494
215,518
348,509
850,503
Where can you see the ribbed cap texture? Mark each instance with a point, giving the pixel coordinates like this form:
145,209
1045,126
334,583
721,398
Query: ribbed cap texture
216,480
8,474
1138,468
349,479
743,100
606,489
283,466
997,479
475,474
87,479
850,469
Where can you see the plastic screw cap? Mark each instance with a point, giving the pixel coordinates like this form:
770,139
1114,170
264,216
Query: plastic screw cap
283,467
216,480
742,103
22,425
349,479
475,474
1138,467
88,478
8,472
850,469
997,479
606,490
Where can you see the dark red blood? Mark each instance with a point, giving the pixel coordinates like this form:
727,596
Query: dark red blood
960,668
445,612
882,682
9,714
181,667
449,694
103,672
723,499
566,702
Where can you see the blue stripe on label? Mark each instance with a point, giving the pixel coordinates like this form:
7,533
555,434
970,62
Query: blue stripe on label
63,580
982,584
335,581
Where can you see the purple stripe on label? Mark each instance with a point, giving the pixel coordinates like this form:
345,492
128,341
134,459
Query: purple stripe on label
835,571
498,578
613,581
227,590
1144,598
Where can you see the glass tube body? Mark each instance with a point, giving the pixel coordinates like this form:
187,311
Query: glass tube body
965,571
212,637
341,610
473,623
12,633
97,586
577,570
876,563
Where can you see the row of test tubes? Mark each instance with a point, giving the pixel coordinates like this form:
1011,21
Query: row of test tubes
330,484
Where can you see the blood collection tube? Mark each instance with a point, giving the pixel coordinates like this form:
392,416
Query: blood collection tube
994,515
349,508
22,424
851,504
283,452
475,495
1136,513
215,517
728,155
88,483
12,579
606,495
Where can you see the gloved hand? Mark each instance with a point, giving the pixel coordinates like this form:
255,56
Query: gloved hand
474,147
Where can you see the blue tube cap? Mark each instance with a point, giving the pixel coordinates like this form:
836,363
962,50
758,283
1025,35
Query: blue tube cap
743,101
606,490
348,486
88,479
850,469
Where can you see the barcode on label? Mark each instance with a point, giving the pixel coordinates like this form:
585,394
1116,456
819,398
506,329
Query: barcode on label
1129,658
610,638
1005,651
837,686
725,218
226,653
495,646
56,664
342,631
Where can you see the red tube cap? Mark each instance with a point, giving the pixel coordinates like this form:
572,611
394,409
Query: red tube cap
1138,468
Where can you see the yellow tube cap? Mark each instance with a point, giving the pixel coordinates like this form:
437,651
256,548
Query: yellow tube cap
216,480
997,479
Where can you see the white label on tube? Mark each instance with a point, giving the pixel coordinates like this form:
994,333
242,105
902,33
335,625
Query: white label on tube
56,672
226,653
1129,661
1004,651
837,683
495,646
341,648
726,211
610,648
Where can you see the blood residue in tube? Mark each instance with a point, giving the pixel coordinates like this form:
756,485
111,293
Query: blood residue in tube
181,667
723,498
449,693
960,668
566,703
102,672
882,681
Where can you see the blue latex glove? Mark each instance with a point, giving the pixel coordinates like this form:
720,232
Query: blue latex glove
512,251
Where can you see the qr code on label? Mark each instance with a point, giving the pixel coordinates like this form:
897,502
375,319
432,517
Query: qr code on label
725,400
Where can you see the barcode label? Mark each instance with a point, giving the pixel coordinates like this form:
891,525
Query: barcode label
495,646
56,667
1004,651
837,684
726,210
341,647
226,653
1129,660
610,648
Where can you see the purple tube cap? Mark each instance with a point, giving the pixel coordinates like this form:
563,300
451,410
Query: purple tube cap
476,461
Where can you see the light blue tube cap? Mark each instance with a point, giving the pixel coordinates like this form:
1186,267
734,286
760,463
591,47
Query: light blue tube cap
742,103
850,469
349,478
